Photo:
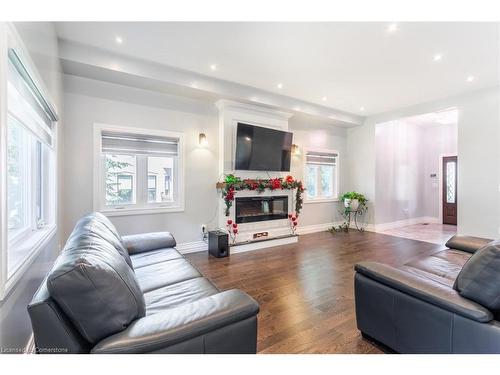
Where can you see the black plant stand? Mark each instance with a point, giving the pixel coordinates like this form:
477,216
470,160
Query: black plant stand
349,216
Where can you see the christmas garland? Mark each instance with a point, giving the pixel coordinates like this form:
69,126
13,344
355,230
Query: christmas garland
232,184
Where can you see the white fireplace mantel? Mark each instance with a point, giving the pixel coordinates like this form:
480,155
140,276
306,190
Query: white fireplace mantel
230,113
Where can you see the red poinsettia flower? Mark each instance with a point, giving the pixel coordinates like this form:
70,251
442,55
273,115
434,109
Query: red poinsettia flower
251,184
229,222
274,183
230,194
289,179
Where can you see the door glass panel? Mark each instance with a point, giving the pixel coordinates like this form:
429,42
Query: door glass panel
450,182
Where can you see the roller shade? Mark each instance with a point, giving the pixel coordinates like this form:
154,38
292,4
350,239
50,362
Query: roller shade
126,143
315,157
26,103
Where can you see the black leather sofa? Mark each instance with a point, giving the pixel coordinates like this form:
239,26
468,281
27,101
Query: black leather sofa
444,303
136,294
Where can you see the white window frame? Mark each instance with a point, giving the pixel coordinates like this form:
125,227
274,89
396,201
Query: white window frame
38,238
141,206
336,182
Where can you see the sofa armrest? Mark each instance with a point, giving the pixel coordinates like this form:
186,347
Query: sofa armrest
466,243
181,323
427,290
139,243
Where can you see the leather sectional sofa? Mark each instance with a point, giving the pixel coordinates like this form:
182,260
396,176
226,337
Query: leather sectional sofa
136,294
448,302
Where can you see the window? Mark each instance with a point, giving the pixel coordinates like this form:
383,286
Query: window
120,172
162,166
151,188
321,175
30,169
139,170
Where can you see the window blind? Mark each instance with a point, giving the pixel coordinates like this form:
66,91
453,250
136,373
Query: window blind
26,103
315,157
127,143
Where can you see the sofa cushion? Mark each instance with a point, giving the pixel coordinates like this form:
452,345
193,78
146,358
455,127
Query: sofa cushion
479,279
466,243
442,267
95,287
166,273
155,256
97,224
138,243
177,294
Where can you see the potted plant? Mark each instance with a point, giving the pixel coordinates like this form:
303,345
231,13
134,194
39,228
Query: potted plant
354,201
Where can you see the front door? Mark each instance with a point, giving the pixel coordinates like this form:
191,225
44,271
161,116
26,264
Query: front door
450,190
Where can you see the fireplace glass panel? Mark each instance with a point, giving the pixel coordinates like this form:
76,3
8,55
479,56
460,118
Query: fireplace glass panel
253,209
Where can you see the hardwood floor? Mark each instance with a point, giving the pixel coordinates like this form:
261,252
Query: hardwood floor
306,290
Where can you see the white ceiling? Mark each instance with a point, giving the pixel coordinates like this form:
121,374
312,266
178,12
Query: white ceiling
445,117
353,65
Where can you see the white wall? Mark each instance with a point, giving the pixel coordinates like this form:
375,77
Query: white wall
88,102
398,172
478,134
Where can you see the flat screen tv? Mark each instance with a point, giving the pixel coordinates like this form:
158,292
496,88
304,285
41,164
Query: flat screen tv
262,149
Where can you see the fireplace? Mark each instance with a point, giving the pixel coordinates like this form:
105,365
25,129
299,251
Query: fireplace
253,209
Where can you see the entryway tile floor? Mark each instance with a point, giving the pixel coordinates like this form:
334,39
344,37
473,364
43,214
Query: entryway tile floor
433,233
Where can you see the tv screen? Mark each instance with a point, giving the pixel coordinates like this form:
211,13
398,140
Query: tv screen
262,149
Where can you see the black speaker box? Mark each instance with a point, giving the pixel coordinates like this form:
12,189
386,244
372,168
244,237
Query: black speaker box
218,243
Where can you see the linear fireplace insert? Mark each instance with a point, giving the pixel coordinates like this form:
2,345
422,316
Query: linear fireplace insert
252,209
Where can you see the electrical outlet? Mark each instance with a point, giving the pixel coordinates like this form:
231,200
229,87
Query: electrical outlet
204,233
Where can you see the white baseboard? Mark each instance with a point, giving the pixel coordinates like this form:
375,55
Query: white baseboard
402,223
306,229
192,247
263,244
196,246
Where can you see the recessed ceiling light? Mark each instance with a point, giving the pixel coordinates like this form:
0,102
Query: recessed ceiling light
470,78
213,67
437,57
362,109
392,27
324,98
279,85
119,40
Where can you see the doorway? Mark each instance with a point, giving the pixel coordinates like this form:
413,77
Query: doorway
416,176
449,190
